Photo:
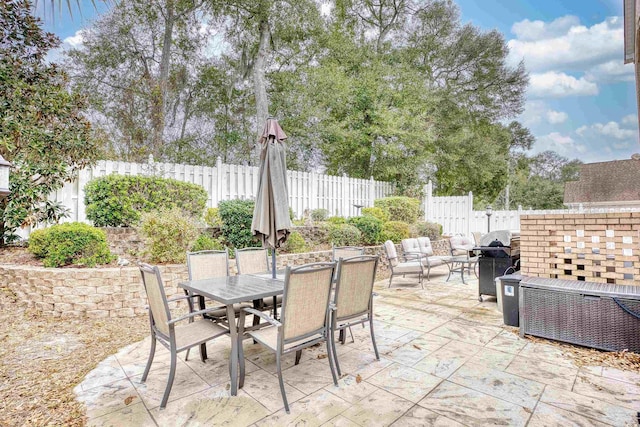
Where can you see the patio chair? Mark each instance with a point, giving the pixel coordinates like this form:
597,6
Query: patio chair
256,261
304,321
175,337
346,252
421,247
353,299
411,265
460,245
207,265
477,238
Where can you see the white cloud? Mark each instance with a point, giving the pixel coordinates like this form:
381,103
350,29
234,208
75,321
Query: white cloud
561,144
558,85
611,71
538,30
556,117
565,44
71,42
630,120
609,130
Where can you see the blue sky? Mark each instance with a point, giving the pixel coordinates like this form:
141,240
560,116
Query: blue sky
581,99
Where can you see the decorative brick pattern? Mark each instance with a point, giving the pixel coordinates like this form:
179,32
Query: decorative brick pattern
603,248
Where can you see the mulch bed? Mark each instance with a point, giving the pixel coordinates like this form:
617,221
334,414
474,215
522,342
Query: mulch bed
42,359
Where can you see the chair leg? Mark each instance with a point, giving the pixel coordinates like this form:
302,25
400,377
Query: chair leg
373,336
152,353
240,362
390,278
284,394
172,374
331,356
333,349
298,356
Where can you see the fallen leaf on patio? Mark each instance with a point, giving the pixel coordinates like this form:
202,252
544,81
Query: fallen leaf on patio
228,386
358,379
322,356
128,400
528,410
417,346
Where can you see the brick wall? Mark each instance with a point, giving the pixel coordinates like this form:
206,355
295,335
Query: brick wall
602,248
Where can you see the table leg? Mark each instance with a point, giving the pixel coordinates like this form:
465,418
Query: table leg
462,267
233,357
450,265
203,346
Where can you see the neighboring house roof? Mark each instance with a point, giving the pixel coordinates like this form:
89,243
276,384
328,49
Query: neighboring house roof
617,181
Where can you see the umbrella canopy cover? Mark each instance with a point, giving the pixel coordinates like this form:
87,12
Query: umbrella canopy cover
271,212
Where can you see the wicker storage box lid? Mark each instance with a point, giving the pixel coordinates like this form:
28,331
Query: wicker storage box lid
579,287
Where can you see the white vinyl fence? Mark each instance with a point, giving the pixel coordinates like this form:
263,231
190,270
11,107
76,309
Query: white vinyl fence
340,195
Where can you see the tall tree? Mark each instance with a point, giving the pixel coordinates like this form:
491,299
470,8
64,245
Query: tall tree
42,130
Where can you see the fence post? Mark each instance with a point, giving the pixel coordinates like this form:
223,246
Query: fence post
218,190
372,191
469,213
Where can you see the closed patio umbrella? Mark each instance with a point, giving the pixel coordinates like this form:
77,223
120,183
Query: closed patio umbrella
271,212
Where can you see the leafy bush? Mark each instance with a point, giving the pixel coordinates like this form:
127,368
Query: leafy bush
344,235
376,212
400,208
295,244
336,220
168,234
236,218
369,226
119,200
204,242
71,243
426,229
319,215
212,217
394,231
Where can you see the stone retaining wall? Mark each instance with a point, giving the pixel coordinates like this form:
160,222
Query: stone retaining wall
118,292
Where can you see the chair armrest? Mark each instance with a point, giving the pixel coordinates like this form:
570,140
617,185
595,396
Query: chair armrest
263,316
180,297
192,314
413,256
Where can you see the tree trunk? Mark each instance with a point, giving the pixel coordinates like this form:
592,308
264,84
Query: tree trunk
259,82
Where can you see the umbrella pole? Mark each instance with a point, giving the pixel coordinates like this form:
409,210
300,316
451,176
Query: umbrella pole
273,263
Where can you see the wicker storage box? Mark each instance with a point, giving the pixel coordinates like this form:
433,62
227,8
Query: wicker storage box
582,313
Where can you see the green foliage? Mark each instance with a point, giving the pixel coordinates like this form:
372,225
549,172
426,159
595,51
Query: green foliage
394,231
119,200
376,212
318,215
369,226
295,244
237,216
70,243
344,235
426,229
212,217
168,234
205,242
335,220
400,208
43,132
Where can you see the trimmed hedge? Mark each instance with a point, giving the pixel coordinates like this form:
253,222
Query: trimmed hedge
426,229
344,235
400,208
376,212
369,226
236,216
70,243
168,234
119,200
395,231
319,215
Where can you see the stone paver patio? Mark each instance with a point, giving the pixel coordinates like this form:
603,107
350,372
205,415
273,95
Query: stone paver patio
446,360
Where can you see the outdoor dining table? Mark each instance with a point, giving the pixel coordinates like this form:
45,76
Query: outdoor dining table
230,290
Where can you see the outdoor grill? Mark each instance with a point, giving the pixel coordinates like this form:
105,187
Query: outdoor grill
498,251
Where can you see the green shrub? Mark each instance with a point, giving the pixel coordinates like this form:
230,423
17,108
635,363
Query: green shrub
119,200
237,216
205,242
394,231
344,235
319,215
426,229
295,244
212,217
168,234
376,212
369,226
400,208
70,243
336,220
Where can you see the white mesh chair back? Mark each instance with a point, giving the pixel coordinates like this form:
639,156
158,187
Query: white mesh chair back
346,252
252,260
355,285
307,290
424,243
392,255
156,297
207,264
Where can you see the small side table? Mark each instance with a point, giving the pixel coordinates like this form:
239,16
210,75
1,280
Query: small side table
460,264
